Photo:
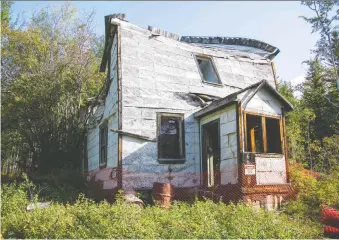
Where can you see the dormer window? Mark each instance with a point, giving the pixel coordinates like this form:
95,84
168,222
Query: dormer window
207,70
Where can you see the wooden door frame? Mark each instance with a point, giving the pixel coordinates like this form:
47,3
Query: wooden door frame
204,182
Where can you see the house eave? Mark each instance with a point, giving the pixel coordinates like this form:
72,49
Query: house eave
217,105
109,36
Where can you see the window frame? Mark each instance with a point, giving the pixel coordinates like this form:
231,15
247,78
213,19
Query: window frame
264,133
181,138
103,129
210,58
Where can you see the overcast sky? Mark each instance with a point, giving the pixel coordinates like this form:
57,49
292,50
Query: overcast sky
276,23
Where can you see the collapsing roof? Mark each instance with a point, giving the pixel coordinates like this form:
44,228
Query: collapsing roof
233,98
235,43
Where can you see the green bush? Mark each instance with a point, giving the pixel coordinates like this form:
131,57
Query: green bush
313,190
61,185
87,219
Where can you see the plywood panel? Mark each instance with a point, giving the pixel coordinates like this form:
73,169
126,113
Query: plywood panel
270,170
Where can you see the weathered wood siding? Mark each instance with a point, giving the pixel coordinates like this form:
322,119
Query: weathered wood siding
157,73
110,113
228,143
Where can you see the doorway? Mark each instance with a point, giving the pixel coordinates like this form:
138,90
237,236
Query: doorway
211,154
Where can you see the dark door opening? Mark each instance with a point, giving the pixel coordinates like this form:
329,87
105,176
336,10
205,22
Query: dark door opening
211,154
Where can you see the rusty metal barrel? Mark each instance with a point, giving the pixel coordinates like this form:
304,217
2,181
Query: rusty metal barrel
163,193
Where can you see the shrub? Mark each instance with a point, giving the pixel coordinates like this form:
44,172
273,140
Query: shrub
62,185
312,191
88,219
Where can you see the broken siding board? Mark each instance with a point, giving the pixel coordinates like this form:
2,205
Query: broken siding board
146,138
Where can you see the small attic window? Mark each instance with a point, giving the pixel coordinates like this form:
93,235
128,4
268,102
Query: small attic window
207,70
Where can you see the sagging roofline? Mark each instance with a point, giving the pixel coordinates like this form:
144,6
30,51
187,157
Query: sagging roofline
238,41
205,42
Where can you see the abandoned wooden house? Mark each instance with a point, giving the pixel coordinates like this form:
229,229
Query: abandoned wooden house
201,113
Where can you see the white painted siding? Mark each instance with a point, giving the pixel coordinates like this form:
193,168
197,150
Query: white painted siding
157,74
228,143
270,170
109,113
140,158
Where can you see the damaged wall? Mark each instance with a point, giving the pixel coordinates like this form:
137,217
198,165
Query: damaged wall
228,143
269,170
156,73
110,114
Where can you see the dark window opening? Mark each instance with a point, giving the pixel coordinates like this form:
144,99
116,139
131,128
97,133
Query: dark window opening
207,70
263,134
254,132
273,135
211,154
170,136
103,138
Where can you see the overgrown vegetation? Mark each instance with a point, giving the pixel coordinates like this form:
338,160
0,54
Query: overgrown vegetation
50,74
313,127
49,71
87,219
312,190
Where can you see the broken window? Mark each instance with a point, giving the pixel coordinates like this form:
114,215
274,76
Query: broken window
170,136
207,70
254,134
273,135
103,137
263,134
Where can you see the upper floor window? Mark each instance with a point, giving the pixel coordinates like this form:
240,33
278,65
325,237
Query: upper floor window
263,134
171,137
207,69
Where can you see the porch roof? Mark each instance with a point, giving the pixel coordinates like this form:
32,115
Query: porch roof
233,98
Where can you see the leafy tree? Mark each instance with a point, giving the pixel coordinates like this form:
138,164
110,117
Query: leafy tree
5,12
50,69
325,22
313,127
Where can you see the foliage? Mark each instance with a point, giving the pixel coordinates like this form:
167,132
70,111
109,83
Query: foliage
313,127
325,22
61,185
87,219
313,190
5,12
49,70
297,124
